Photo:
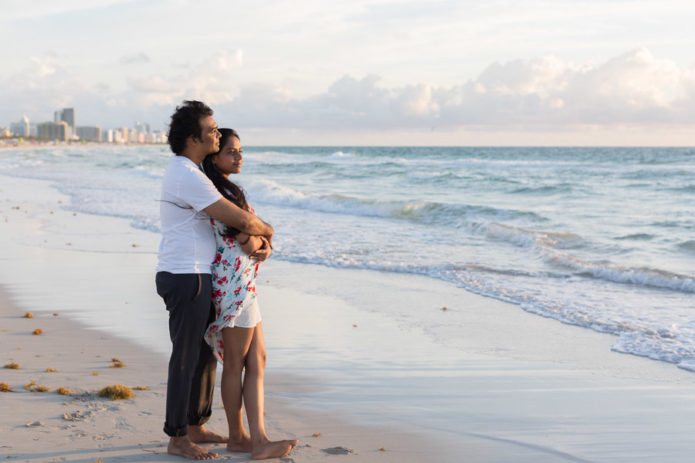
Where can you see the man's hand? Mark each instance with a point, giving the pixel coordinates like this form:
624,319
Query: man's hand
263,252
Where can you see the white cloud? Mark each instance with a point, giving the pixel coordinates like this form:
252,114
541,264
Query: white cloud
635,88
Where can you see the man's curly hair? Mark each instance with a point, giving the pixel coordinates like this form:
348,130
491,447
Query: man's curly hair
186,122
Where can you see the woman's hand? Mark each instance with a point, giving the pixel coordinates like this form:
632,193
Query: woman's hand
262,253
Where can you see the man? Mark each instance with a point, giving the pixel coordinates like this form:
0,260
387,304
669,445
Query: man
183,276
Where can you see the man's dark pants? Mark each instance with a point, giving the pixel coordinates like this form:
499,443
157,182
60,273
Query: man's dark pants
191,366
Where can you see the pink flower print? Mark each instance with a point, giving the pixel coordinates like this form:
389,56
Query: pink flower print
237,291
225,262
238,303
237,264
218,258
222,281
217,293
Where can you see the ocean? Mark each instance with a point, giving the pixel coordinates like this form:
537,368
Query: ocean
602,238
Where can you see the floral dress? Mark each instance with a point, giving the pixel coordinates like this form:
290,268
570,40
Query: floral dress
233,286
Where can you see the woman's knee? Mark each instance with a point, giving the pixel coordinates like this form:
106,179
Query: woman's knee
256,361
233,364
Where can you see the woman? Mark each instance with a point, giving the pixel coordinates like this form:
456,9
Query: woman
236,336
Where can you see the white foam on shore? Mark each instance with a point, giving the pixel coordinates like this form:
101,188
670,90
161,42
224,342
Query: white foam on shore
379,346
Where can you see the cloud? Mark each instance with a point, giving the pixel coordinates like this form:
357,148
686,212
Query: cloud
635,89
136,58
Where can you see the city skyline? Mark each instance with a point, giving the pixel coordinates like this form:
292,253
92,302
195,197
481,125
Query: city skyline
64,128
364,72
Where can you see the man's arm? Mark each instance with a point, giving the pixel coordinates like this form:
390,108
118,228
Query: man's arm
234,216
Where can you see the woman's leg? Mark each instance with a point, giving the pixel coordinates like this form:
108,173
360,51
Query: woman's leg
236,347
262,447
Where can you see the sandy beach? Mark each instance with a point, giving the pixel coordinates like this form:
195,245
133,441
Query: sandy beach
343,361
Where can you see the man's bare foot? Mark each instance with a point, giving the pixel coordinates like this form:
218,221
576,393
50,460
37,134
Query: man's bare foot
241,444
183,447
276,449
200,435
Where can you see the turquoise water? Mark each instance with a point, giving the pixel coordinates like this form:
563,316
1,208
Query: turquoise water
598,237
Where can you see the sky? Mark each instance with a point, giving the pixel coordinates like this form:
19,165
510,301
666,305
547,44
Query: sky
388,72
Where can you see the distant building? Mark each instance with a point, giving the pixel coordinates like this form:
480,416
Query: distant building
142,127
54,131
21,128
107,136
89,133
66,115
5,132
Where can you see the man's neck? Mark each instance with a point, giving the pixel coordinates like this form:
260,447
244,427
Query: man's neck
193,156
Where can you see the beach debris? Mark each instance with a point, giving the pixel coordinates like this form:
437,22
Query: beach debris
55,314
60,202
34,424
19,347
141,388
316,434
51,213
95,373
134,245
33,387
51,370
68,244
62,390
116,363
28,315
445,308
340,450
4,387
5,330
37,331
16,208
116,392
12,366
354,325
382,449
74,214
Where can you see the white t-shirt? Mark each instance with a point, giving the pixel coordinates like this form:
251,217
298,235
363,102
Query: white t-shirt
188,241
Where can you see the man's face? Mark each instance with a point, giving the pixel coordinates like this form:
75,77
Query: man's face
210,136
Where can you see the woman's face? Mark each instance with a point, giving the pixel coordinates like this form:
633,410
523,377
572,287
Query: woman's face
229,160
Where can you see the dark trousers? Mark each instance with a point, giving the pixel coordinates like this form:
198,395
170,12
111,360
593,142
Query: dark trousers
191,366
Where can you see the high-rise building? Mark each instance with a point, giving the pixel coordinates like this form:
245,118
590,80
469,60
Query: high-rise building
21,128
142,127
66,115
89,133
54,131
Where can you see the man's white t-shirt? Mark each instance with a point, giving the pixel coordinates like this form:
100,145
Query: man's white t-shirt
188,241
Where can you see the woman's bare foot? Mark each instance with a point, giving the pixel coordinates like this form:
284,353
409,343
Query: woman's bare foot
239,444
183,447
275,449
200,435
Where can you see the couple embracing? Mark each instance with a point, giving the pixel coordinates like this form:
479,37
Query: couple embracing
212,244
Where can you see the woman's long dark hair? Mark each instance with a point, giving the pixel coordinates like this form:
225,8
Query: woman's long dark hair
227,188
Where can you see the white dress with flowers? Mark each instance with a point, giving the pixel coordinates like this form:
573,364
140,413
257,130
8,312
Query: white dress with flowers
233,286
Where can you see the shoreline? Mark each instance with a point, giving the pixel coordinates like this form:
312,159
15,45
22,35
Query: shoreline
344,360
